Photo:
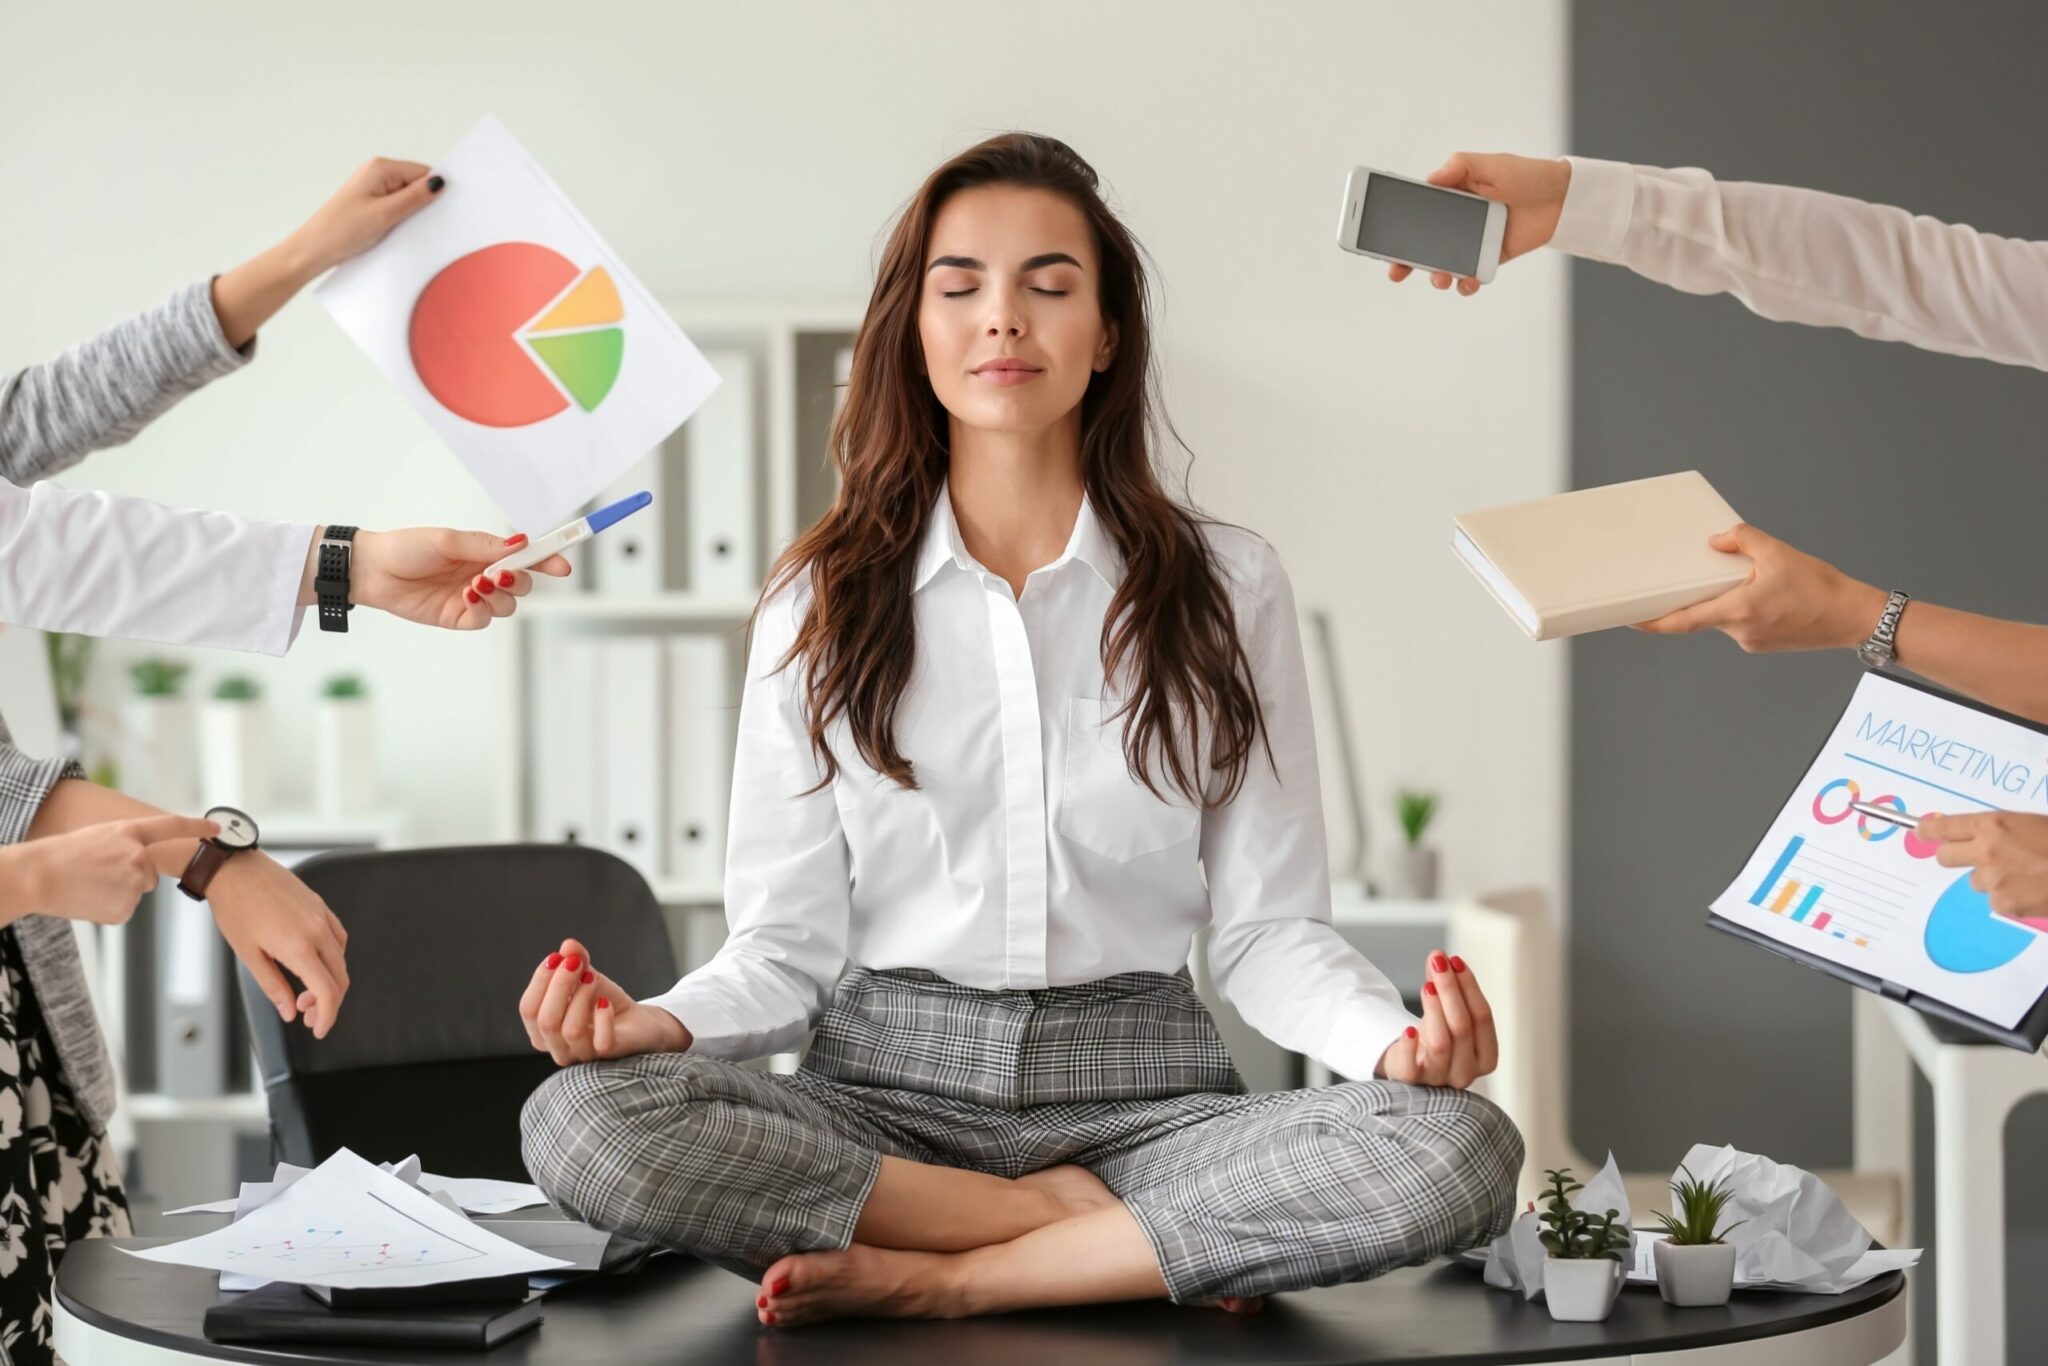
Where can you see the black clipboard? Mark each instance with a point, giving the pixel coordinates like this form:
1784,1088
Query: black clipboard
2032,1030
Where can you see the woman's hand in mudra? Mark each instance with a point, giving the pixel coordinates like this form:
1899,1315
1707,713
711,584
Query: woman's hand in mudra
1455,1044
574,1013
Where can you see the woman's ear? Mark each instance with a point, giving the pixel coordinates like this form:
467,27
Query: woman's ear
1106,353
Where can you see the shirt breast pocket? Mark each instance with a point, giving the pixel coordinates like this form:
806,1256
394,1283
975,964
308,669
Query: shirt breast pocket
1102,806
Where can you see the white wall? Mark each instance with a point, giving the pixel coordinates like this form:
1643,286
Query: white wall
737,149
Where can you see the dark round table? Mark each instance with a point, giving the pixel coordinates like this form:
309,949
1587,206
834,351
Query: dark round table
113,1309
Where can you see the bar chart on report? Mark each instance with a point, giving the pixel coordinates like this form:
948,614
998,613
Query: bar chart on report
1829,895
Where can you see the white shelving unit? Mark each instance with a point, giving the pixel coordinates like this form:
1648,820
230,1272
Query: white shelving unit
795,349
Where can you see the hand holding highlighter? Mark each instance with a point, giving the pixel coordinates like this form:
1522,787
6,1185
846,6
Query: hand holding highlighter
562,537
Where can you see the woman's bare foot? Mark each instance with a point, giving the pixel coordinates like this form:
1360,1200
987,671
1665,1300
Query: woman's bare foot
1237,1304
1074,1188
861,1281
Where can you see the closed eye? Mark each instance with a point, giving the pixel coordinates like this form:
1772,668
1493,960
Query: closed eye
963,293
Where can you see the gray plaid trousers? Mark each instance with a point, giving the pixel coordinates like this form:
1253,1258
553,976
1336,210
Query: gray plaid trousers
1239,1194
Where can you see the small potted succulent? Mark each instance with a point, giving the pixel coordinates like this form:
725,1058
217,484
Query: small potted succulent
234,745
345,747
158,736
1587,1255
1694,1265
1419,866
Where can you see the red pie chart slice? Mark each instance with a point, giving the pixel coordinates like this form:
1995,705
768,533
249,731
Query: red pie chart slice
463,334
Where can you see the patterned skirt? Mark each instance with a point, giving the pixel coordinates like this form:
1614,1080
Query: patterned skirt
59,1180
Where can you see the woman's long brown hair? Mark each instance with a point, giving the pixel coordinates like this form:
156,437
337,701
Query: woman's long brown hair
1170,636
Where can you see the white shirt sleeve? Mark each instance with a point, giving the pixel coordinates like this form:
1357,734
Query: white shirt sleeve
1272,950
100,564
1796,255
788,889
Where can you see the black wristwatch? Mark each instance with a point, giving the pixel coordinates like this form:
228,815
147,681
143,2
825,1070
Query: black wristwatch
237,832
331,576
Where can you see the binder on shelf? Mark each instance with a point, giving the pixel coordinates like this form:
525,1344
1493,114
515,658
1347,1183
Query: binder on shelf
568,767
703,709
630,722
720,457
627,561
192,1023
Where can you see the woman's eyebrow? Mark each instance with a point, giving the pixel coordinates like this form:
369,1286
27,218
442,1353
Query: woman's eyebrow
1039,262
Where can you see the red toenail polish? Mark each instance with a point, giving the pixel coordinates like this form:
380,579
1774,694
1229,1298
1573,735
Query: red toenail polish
767,1316
760,1302
1457,964
554,961
779,1286
1429,988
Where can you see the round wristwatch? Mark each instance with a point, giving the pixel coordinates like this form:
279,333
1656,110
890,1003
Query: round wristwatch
237,832
1879,651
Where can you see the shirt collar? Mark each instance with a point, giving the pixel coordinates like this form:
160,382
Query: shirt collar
1089,542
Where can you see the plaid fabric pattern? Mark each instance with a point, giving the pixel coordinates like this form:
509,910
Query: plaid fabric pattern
1238,1194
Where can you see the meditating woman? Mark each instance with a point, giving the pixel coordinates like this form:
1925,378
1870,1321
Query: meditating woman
1017,724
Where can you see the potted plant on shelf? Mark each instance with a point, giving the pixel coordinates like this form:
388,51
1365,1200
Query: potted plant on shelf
346,747
1418,861
1694,1265
234,745
1587,1255
157,758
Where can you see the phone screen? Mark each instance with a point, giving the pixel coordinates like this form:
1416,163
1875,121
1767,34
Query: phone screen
1422,224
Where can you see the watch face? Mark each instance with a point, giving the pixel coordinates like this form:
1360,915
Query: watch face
237,830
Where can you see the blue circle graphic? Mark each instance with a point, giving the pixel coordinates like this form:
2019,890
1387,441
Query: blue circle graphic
1965,935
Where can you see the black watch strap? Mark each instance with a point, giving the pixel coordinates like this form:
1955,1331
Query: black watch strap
331,576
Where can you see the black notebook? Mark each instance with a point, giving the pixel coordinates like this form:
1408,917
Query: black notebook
283,1312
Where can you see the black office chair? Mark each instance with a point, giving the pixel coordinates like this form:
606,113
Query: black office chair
428,1055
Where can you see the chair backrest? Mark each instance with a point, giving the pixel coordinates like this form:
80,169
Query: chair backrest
1514,942
428,1055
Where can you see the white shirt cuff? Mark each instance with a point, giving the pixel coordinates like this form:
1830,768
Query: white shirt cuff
714,1030
1597,207
1362,1033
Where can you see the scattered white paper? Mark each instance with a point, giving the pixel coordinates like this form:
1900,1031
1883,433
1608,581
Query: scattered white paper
481,1195
350,1224
1871,895
1795,1233
523,340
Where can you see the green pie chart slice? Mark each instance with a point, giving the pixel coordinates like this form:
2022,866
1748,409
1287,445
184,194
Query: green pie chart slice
587,363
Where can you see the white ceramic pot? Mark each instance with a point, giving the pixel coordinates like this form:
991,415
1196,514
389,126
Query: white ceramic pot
1581,1289
234,755
1419,871
159,752
346,756
1703,1274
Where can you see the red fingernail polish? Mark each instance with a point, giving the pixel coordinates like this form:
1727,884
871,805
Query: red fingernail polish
554,960
469,594
603,1004
484,587
1429,988
574,962
588,977
779,1286
1437,963
1411,1031
519,539
505,579
1457,964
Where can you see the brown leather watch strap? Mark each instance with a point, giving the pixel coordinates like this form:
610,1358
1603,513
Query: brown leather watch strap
206,861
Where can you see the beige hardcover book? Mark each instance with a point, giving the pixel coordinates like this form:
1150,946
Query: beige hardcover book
1613,556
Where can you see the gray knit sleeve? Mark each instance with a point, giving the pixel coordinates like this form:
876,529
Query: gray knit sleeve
102,392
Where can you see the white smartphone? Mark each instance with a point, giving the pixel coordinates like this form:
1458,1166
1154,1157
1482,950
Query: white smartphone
1413,223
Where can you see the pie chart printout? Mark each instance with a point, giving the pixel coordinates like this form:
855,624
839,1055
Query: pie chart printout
512,334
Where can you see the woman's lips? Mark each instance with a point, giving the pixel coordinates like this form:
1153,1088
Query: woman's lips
1007,372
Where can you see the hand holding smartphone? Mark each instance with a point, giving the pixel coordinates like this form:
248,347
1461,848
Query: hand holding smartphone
1413,223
